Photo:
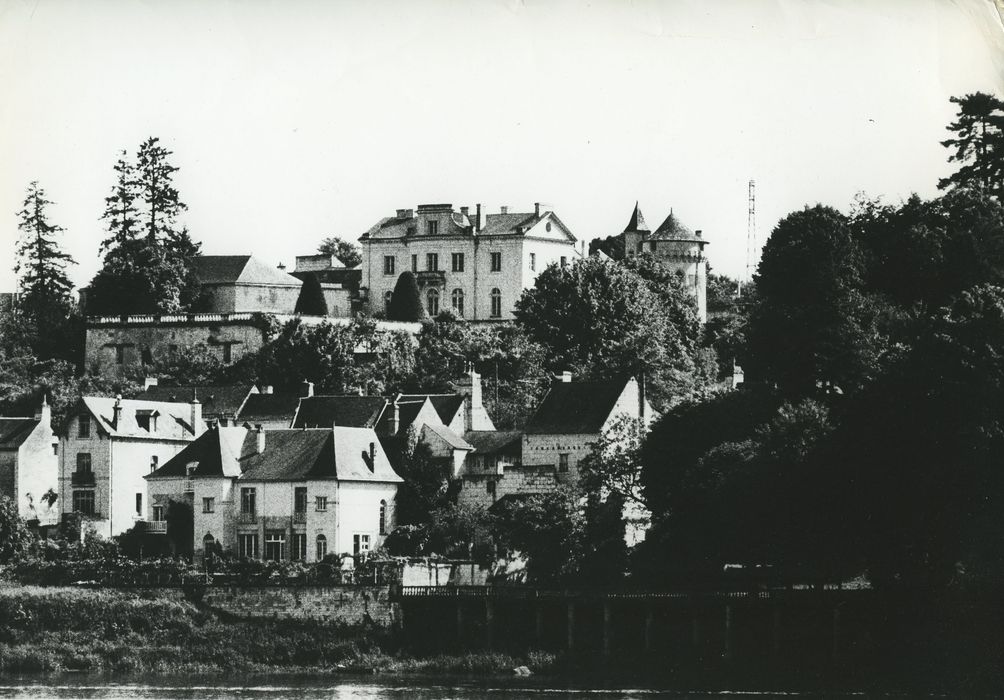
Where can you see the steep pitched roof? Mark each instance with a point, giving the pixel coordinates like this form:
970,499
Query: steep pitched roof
637,223
173,419
242,269
446,405
269,407
351,410
216,400
499,224
217,452
449,437
673,230
575,408
333,453
493,441
14,431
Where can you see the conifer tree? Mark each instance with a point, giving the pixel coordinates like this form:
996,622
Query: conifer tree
41,264
978,145
311,300
405,303
120,208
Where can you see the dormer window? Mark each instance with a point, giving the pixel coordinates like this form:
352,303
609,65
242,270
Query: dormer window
432,227
146,420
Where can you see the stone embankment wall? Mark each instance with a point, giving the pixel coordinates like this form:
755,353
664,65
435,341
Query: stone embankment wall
348,605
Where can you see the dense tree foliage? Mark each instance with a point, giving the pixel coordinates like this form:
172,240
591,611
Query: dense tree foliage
978,145
14,534
348,253
147,267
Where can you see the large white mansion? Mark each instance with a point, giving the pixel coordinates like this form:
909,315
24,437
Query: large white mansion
476,264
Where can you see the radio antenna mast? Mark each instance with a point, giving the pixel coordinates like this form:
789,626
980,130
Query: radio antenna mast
751,245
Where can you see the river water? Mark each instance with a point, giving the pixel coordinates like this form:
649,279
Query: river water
361,689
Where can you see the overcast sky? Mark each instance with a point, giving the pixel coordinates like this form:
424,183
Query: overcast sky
292,121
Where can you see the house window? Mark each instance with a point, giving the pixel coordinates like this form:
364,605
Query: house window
496,262
564,261
496,302
457,301
321,503
248,501
300,499
208,504
158,514
432,301
146,357
154,461
458,262
432,227
360,544
143,421
383,517
207,543
414,263
387,296
533,262
83,502
275,545
120,354
84,426
83,463
247,546
388,264
490,488
228,353
432,262
563,462
299,546
322,547
139,504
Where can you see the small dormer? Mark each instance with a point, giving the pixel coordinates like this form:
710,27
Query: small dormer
146,419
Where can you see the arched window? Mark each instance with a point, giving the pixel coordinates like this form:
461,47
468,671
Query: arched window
383,517
496,302
386,300
432,302
207,543
457,300
322,547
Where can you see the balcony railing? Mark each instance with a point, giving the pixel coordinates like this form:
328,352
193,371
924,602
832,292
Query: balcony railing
431,278
156,527
299,516
246,518
82,478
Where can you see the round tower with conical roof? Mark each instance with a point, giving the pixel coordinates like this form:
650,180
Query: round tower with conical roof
675,246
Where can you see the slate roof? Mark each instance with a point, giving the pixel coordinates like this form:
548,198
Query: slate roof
500,224
351,410
673,230
239,269
446,405
450,437
216,400
333,453
575,408
173,419
492,441
637,222
269,407
407,413
216,452
14,431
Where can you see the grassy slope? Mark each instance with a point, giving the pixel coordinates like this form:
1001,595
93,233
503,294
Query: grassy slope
53,629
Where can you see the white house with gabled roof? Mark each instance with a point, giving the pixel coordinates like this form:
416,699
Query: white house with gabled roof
107,446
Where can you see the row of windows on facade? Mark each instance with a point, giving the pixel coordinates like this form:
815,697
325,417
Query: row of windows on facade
457,262
275,545
432,303
146,355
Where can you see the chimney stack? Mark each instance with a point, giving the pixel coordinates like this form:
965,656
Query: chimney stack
536,209
117,411
308,389
464,211
44,412
198,426
260,435
268,389
477,223
372,464
394,423
504,209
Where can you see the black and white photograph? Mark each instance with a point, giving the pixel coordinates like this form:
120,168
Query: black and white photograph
502,349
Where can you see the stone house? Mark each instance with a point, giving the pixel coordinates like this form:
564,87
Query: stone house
476,265
242,283
281,495
107,446
675,246
569,420
29,465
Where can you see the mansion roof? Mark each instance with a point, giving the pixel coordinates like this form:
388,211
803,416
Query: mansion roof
575,408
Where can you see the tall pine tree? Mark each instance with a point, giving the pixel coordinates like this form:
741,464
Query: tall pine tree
978,145
148,264
41,264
